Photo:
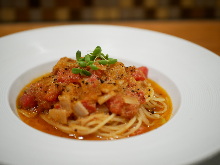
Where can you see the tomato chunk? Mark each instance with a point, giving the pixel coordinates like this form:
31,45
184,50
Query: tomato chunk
27,101
117,105
89,105
140,73
144,69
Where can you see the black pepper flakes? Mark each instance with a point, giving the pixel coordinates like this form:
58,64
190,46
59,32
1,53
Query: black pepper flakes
102,81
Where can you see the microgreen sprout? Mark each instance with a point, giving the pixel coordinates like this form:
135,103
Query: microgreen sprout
89,59
81,71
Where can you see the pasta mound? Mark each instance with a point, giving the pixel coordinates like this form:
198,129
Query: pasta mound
113,102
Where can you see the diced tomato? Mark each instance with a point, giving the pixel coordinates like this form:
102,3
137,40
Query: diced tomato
45,93
144,69
129,110
140,73
89,105
139,76
27,101
117,105
67,76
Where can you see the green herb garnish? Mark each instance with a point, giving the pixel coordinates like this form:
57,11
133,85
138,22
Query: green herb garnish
89,59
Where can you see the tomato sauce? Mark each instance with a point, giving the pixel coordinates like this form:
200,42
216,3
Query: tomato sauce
38,123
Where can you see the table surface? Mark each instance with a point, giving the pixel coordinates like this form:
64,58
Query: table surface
205,33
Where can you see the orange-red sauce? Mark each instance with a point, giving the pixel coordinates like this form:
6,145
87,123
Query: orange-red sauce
38,123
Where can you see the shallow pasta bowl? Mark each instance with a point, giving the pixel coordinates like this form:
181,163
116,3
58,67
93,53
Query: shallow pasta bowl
188,72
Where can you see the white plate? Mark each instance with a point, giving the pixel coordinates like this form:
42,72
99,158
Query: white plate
187,71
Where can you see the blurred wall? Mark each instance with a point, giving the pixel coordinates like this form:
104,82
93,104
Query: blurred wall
106,10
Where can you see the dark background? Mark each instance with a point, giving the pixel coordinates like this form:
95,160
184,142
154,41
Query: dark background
106,10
